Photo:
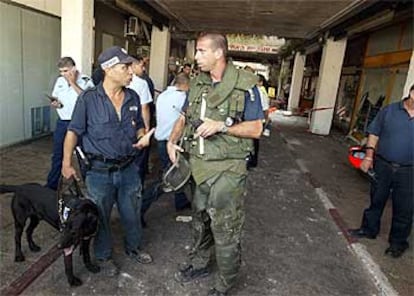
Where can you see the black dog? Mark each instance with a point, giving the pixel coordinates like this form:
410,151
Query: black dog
39,203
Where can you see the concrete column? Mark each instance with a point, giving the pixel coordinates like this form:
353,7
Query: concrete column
327,87
160,49
410,77
77,32
190,50
284,68
297,78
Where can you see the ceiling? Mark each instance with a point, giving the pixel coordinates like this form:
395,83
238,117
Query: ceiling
283,18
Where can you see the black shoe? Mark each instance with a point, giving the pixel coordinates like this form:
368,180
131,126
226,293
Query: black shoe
214,292
188,274
396,251
360,233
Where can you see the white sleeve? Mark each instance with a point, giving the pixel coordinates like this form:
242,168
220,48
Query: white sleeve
58,87
144,93
265,100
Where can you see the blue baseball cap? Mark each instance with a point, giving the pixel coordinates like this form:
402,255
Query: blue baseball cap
114,55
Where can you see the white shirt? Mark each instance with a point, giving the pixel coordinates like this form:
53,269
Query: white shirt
264,98
168,107
140,86
67,95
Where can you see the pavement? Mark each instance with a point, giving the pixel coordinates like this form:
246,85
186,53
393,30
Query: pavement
300,197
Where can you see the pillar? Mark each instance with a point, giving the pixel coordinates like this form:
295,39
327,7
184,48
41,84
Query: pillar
297,78
327,87
77,32
190,51
160,49
410,77
284,68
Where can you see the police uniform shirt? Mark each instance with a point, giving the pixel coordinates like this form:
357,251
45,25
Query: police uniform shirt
140,86
103,132
168,105
264,98
67,95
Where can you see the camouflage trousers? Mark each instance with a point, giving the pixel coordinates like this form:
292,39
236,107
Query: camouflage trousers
218,219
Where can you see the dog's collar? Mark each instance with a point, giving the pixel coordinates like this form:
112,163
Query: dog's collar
66,207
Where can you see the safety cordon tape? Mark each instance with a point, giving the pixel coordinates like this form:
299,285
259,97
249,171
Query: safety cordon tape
316,109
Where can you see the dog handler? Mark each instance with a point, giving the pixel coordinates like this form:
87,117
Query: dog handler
108,118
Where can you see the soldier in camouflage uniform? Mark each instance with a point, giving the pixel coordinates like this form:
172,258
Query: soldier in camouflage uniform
223,115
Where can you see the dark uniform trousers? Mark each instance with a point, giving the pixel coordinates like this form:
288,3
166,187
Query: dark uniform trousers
217,224
57,156
397,181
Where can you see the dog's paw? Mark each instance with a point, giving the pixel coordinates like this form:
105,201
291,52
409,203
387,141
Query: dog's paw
74,281
19,258
93,268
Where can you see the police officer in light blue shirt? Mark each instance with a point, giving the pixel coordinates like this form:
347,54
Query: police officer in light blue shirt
67,88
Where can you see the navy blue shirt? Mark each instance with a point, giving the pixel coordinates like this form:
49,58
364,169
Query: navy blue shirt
103,133
253,109
395,130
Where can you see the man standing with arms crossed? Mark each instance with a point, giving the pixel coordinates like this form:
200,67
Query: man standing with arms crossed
64,95
221,97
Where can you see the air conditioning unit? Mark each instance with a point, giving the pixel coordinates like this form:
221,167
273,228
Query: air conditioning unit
132,26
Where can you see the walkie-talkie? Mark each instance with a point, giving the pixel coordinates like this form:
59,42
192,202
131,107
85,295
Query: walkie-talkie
195,123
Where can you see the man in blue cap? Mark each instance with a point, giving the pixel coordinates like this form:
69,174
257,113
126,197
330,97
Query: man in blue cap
108,119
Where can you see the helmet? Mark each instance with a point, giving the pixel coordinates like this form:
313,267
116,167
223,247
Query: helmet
355,155
177,174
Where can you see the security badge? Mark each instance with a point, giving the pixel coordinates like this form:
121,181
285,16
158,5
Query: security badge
66,212
133,109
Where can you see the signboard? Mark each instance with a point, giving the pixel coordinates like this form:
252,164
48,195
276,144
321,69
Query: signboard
255,43
254,48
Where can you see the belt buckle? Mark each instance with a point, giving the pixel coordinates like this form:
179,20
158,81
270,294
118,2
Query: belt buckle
114,168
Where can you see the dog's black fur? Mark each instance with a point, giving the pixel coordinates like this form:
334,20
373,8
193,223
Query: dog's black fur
40,203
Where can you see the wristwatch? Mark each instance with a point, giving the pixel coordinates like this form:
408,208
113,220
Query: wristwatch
229,121
224,128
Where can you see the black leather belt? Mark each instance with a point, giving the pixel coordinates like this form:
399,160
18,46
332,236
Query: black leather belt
112,164
394,164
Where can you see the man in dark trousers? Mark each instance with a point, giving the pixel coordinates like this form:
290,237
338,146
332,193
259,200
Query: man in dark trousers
65,92
390,151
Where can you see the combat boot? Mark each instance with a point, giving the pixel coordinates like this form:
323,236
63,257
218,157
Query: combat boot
189,273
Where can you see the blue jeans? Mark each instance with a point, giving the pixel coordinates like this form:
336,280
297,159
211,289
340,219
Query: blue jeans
397,182
57,156
122,187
